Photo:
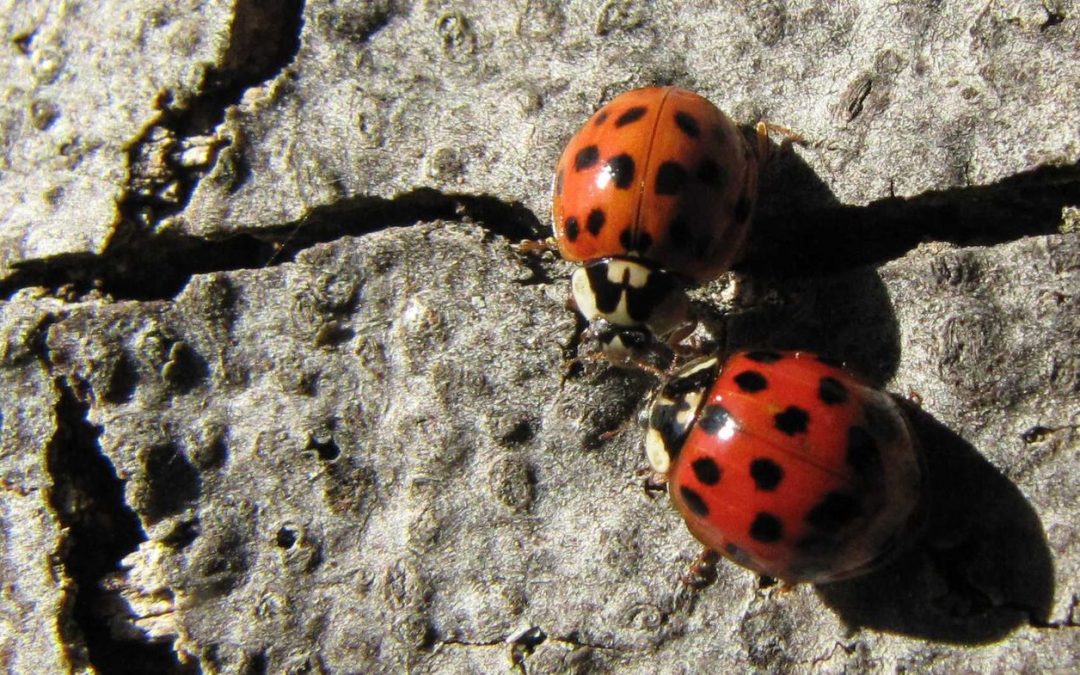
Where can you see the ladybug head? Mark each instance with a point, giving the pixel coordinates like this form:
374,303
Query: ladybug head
635,311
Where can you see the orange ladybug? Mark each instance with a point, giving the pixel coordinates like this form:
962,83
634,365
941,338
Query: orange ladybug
654,192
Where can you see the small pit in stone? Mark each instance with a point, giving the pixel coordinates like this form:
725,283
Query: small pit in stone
286,538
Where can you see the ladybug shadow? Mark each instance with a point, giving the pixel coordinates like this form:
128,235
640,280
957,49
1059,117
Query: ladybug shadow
981,567
849,318
801,229
845,314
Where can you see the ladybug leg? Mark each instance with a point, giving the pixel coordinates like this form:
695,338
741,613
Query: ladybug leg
653,481
789,137
535,246
681,342
702,572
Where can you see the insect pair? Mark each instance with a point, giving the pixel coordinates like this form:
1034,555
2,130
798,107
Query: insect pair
783,462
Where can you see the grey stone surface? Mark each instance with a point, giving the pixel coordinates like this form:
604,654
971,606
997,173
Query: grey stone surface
82,81
371,456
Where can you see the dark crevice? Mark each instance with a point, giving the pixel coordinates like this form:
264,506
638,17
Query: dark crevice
786,241
149,267
88,499
831,239
169,159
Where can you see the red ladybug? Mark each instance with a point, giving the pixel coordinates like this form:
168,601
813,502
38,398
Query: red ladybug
654,192
787,464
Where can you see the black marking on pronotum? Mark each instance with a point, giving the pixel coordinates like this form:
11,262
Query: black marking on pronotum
630,116
832,391
793,420
766,473
670,178
595,222
680,385
713,418
834,512
621,168
687,123
665,420
766,528
642,300
694,501
751,381
571,228
606,294
764,356
586,157
706,471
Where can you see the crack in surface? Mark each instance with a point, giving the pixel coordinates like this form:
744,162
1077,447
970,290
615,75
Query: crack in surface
144,266
172,156
157,267
87,498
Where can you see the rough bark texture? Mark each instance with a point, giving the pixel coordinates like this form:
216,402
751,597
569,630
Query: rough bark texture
279,397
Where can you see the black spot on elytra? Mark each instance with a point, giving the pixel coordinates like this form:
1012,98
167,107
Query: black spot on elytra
706,471
832,391
834,512
621,168
713,418
559,182
863,455
766,473
670,178
595,222
601,117
678,231
630,116
764,356
793,420
631,241
571,228
766,528
712,174
751,381
687,124
586,157
742,209
694,501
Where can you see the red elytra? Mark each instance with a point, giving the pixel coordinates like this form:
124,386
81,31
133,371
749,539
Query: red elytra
787,464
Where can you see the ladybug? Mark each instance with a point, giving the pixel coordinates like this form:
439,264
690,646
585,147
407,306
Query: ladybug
654,192
787,464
